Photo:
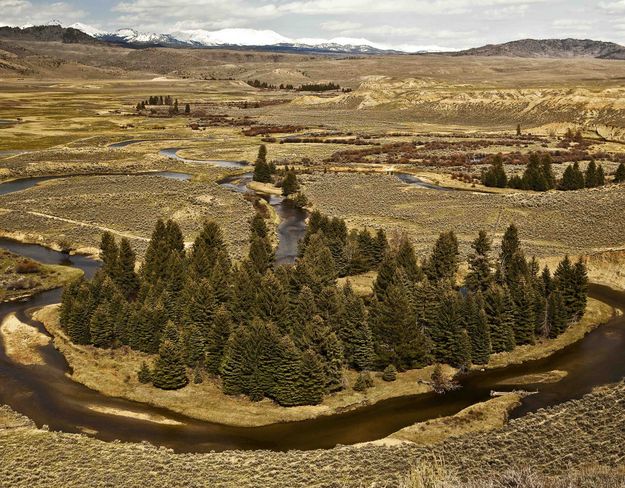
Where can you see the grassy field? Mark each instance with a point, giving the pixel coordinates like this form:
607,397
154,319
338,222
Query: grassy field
79,209
550,224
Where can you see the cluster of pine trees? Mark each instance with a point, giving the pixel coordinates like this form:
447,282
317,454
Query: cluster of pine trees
538,175
319,87
288,332
264,172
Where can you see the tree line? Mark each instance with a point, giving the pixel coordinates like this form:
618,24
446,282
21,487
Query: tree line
288,332
160,100
538,175
266,172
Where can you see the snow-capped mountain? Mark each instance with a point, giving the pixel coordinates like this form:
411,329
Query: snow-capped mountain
248,37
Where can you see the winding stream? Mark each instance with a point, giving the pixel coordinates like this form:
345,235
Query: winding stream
48,396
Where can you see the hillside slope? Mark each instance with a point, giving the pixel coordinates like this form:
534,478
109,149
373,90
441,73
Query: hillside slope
550,48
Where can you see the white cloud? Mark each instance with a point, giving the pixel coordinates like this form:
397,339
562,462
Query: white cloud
21,12
573,24
340,25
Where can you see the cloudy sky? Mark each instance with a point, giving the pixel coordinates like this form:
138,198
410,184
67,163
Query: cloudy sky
447,23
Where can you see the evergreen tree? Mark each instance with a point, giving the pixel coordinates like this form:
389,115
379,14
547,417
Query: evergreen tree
548,172
500,312
109,254
573,178
258,226
216,340
477,329
194,346
386,273
262,171
273,302
100,327
381,247
557,320
590,178
208,248
447,333
127,279
243,301
354,331
524,318
534,177
169,369
406,259
320,265
495,176
443,262
290,184
619,176
144,374
398,340
260,254
390,373
600,176
479,276
187,109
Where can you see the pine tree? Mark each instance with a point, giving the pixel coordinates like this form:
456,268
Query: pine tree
273,302
479,276
557,320
495,176
354,331
406,259
447,333
321,339
477,329
534,177
101,328
157,254
127,279
311,381
619,176
320,265
600,176
258,226
381,247
260,254
243,301
216,340
386,273
187,109
290,184
500,311
169,369
590,177
194,346
524,318
144,375
109,254
443,262
262,171
548,172
573,178
207,248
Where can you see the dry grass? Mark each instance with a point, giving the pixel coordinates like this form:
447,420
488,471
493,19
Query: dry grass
549,224
481,417
81,208
581,433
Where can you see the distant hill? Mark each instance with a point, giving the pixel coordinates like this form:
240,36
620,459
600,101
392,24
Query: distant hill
47,33
550,48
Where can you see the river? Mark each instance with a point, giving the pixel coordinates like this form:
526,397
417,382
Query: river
48,396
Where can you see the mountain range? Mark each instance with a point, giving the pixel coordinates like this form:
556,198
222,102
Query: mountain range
273,41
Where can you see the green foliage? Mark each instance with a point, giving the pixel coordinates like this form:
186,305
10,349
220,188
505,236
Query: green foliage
477,329
169,372
573,178
390,373
363,382
290,185
262,170
443,262
479,276
495,176
144,375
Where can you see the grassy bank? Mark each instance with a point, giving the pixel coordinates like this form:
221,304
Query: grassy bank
22,277
114,373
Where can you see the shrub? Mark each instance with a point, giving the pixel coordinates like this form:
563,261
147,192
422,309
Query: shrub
144,375
390,373
27,266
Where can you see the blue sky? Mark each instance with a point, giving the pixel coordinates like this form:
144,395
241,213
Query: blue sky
448,23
